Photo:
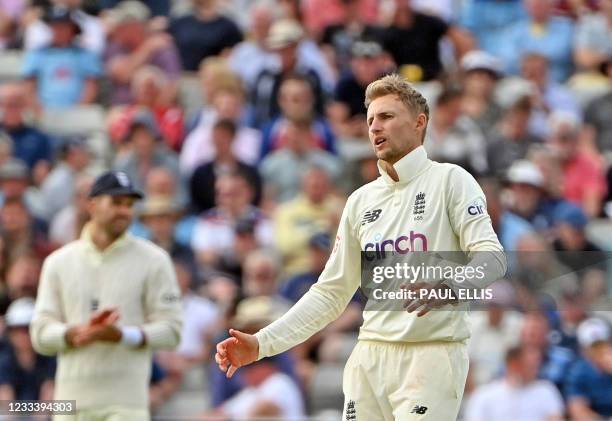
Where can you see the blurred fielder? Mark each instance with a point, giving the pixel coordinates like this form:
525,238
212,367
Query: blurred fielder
405,366
104,303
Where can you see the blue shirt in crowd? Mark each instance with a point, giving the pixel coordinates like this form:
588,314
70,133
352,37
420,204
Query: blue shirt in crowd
553,41
30,145
588,382
61,73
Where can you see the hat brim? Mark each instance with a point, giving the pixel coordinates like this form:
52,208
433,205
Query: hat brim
120,192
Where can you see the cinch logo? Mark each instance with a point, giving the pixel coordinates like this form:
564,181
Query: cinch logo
477,207
402,245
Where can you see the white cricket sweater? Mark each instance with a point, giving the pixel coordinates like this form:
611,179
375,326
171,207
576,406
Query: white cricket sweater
447,221
132,275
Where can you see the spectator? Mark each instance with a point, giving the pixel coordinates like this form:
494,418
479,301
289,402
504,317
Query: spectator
518,396
282,170
80,323
413,40
543,34
67,224
147,151
549,96
254,50
30,145
159,215
593,38
284,40
297,106
203,33
11,17
508,226
202,182
583,177
481,72
347,111
589,384
454,137
25,233
573,247
495,330
22,276
148,86
62,73
162,181
214,233
338,13
270,389
598,127
132,45
15,185
38,34
24,374
314,210
338,38
555,360
511,139
488,21
201,319
199,148
58,189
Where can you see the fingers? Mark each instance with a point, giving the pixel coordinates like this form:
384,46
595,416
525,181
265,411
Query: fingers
231,371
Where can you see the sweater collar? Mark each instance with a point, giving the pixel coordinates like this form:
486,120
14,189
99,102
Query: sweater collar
408,167
89,244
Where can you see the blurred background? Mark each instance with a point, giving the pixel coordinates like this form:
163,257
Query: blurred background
243,121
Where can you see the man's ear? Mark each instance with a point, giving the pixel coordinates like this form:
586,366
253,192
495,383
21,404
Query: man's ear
421,122
421,125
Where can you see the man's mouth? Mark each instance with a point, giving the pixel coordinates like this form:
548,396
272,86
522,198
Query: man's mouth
379,141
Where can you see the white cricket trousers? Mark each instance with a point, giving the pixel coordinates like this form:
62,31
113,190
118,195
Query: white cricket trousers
114,413
404,381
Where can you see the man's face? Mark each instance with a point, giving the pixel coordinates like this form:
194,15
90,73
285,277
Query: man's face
161,226
366,69
315,185
12,106
63,33
296,100
539,10
394,130
112,213
525,198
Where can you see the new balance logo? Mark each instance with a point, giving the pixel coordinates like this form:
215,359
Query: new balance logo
351,414
419,410
371,216
419,204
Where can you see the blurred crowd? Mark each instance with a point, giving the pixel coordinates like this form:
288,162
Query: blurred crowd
243,121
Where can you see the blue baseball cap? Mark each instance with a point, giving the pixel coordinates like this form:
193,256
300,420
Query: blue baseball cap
114,183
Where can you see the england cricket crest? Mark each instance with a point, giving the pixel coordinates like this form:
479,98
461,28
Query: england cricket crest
350,412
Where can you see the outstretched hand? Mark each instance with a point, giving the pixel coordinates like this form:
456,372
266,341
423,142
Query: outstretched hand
236,351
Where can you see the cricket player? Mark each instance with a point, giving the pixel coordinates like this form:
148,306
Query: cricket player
406,365
105,302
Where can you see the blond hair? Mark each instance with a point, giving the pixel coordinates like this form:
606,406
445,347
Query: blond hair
396,85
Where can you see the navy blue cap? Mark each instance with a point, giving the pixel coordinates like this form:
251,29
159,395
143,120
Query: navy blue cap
62,14
114,183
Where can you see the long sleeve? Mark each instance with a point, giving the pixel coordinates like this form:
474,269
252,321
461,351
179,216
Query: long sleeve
48,328
325,300
470,221
162,306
